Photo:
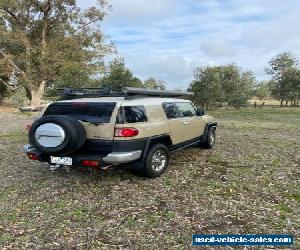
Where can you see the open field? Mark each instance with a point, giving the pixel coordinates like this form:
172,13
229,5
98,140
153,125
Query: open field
250,183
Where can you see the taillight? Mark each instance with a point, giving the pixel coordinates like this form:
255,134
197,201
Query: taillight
89,163
33,156
126,132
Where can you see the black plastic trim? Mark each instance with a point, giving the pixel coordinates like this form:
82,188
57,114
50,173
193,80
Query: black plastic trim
206,129
129,145
184,144
150,141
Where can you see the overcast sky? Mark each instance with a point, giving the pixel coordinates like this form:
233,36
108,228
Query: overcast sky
168,39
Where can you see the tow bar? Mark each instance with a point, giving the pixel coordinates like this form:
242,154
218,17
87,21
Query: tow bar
53,168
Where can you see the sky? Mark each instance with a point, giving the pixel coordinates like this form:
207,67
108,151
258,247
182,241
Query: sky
168,39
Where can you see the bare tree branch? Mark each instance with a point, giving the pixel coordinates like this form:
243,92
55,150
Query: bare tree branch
45,11
86,24
10,88
11,14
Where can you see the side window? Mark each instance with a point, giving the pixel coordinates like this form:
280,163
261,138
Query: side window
171,110
186,109
131,114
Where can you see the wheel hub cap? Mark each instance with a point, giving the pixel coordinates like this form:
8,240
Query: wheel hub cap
158,160
212,139
50,135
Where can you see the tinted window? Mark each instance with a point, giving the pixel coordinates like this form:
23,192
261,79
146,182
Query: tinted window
186,109
131,114
83,111
171,110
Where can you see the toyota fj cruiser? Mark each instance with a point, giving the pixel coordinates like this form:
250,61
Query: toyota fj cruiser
101,128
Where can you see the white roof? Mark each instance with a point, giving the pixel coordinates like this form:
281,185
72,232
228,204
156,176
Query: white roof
133,102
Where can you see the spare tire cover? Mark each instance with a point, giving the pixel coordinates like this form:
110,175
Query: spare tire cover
57,134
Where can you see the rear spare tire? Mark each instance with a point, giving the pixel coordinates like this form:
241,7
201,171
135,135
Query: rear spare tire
57,134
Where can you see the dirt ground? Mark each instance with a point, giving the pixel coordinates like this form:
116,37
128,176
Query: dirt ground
6,108
250,183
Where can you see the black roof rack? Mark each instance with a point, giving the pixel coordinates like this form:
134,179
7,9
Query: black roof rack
155,92
127,92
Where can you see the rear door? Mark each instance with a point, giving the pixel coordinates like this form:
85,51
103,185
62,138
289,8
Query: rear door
175,122
193,127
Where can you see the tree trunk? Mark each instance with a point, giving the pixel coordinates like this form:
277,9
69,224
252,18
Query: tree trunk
1,98
37,94
281,103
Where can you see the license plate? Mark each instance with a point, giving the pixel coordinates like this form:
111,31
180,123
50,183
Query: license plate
61,160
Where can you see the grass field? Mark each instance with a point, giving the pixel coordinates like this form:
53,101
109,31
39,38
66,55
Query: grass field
250,183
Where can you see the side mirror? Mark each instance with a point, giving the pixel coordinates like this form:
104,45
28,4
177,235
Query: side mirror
200,112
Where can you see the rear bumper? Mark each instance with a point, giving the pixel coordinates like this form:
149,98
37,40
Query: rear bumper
113,158
29,148
122,157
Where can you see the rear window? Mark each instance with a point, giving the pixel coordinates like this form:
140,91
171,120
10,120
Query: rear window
84,111
131,114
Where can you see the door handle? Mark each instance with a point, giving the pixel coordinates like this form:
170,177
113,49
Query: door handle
186,122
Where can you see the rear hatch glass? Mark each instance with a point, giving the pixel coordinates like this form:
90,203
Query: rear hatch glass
83,111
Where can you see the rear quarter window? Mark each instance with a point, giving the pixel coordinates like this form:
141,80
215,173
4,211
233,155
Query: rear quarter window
131,114
83,111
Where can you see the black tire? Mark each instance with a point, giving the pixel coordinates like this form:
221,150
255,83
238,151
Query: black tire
149,169
75,134
210,138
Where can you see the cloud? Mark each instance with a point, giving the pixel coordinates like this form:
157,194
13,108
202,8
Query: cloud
168,39
217,48
134,11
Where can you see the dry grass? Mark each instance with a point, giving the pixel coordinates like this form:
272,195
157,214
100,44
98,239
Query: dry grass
248,184
268,102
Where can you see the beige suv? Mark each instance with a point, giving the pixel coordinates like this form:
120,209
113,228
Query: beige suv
136,126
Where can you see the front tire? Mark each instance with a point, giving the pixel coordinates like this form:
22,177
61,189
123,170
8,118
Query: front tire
157,161
210,138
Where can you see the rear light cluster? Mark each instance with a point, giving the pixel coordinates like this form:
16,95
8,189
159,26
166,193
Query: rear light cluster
126,132
33,156
89,163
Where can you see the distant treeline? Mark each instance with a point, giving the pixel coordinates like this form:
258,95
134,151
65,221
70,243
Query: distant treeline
229,85
46,45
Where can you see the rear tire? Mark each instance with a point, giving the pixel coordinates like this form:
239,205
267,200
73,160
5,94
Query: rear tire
157,161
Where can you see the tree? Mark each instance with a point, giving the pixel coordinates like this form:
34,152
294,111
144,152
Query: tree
40,40
2,92
222,84
262,90
207,86
151,83
279,67
291,81
118,76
